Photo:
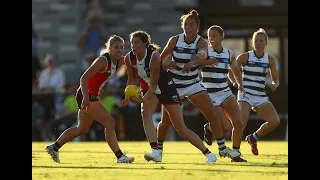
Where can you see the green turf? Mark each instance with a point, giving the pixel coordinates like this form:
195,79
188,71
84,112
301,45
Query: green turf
95,161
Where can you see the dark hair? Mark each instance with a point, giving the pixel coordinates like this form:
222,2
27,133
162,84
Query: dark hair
218,28
192,14
145,38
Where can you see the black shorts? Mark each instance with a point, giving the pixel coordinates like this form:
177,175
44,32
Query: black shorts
169,93
167,96
79,98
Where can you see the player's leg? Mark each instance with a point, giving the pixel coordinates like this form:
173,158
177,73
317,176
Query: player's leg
217,99
84,124
163,128
102,116
176,118
202,101
232,110
225,123
147,110
268,113
245,109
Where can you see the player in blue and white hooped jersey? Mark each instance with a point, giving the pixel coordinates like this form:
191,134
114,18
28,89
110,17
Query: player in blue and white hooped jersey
188,49
215,80
255,65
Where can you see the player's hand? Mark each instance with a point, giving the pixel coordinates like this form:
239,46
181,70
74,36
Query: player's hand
186,68
273,86
170,65
85,105
213,61
124,103
135,100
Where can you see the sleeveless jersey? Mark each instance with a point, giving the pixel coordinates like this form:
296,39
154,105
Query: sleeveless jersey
142,69
143,85
254,74
215,78
97,81
182,54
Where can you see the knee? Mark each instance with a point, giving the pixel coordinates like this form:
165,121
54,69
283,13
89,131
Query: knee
275,123
110,125
244,120
227,129
211,116
164,124
83,130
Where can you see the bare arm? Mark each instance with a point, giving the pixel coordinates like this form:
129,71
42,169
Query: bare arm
242,59
235,70
98,65
202,52
168,49
154,74
231,78
201,65
131,76
200,57
273,73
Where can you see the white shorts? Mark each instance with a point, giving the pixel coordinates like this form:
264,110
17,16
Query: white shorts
219,97
254,101
191,90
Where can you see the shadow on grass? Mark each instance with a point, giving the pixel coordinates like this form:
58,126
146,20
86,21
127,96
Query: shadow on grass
120,167
169,153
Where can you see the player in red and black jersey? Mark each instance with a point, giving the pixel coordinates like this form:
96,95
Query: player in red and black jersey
90,108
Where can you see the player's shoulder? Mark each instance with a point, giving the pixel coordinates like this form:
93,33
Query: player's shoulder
202,42
155,52
271,57
202,38
244,54
230,51
174,38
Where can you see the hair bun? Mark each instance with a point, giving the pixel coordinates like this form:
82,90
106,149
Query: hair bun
193,12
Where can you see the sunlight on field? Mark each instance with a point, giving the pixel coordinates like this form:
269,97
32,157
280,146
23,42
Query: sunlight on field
94,160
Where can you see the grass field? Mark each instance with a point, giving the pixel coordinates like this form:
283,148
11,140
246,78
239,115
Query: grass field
95,161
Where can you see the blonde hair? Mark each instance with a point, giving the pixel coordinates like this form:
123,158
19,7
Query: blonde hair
260,31
112,39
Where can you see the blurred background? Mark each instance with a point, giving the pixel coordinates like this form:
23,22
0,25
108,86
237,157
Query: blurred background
67,36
